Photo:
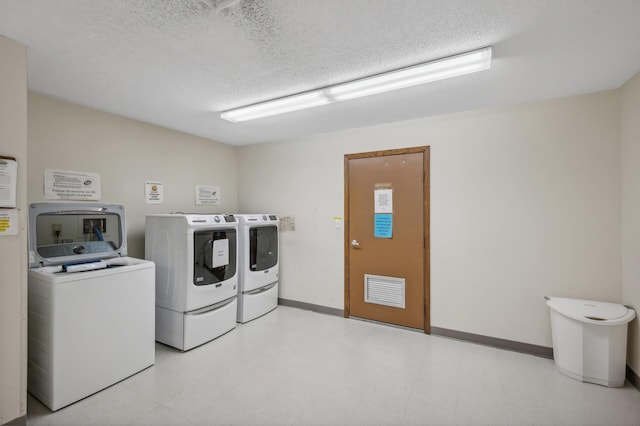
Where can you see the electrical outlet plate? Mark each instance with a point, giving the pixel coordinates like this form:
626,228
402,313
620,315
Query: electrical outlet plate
56,229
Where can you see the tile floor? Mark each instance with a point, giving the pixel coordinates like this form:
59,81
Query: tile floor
295,367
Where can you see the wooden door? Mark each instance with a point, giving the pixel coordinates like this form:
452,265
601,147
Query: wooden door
386,237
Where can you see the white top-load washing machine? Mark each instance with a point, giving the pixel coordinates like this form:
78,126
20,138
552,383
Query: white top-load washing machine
196,276
91,308
259,265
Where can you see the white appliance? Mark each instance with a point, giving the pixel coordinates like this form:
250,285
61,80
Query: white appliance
590,339
196,276
91,308
259,265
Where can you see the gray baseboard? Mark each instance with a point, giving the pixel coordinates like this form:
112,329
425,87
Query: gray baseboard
20,421
510,345
527,348
633,378
311,307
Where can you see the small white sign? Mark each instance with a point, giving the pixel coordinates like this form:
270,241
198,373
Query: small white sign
8,176
220,253
383,201
68,185
207,195
8,222
153,192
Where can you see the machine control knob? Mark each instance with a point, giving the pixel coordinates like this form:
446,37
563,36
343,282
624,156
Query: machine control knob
216,219
264,217
79,249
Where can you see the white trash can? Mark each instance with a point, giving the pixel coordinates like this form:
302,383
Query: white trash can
590,339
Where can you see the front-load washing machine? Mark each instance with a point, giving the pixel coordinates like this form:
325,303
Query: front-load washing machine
196,276
259,265
90,306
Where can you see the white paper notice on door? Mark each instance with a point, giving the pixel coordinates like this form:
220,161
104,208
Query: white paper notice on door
383,199
220,253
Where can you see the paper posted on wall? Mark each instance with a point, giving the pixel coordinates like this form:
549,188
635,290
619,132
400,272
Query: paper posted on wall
8,176
69,185
207,195
8,222
153,191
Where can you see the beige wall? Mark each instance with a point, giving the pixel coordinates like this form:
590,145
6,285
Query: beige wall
126,153
525,202
13,249
631,211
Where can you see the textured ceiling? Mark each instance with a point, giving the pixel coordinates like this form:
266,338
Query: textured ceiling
178,63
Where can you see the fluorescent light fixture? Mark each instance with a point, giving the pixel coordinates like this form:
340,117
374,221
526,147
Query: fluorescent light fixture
454,66
277,106
219,5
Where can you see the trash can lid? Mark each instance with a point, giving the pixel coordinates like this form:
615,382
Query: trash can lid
591,310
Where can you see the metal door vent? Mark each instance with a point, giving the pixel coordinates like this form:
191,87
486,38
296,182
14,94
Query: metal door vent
388,291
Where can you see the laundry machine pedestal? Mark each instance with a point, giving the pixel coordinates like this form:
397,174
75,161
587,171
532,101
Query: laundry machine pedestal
186,330
256,303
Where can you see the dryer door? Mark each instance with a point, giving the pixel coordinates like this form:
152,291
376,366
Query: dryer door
263,247
214,256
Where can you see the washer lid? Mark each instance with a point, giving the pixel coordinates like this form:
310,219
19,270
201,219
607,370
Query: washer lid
61,233
588,309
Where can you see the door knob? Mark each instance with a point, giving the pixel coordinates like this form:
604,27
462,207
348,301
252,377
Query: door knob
355,243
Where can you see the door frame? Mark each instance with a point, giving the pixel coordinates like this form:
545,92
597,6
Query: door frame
426,232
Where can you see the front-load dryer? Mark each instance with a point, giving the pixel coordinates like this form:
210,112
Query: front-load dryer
196,276
259,265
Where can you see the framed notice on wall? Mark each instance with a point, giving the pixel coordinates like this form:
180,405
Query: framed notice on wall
207,195
71,185
8,178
